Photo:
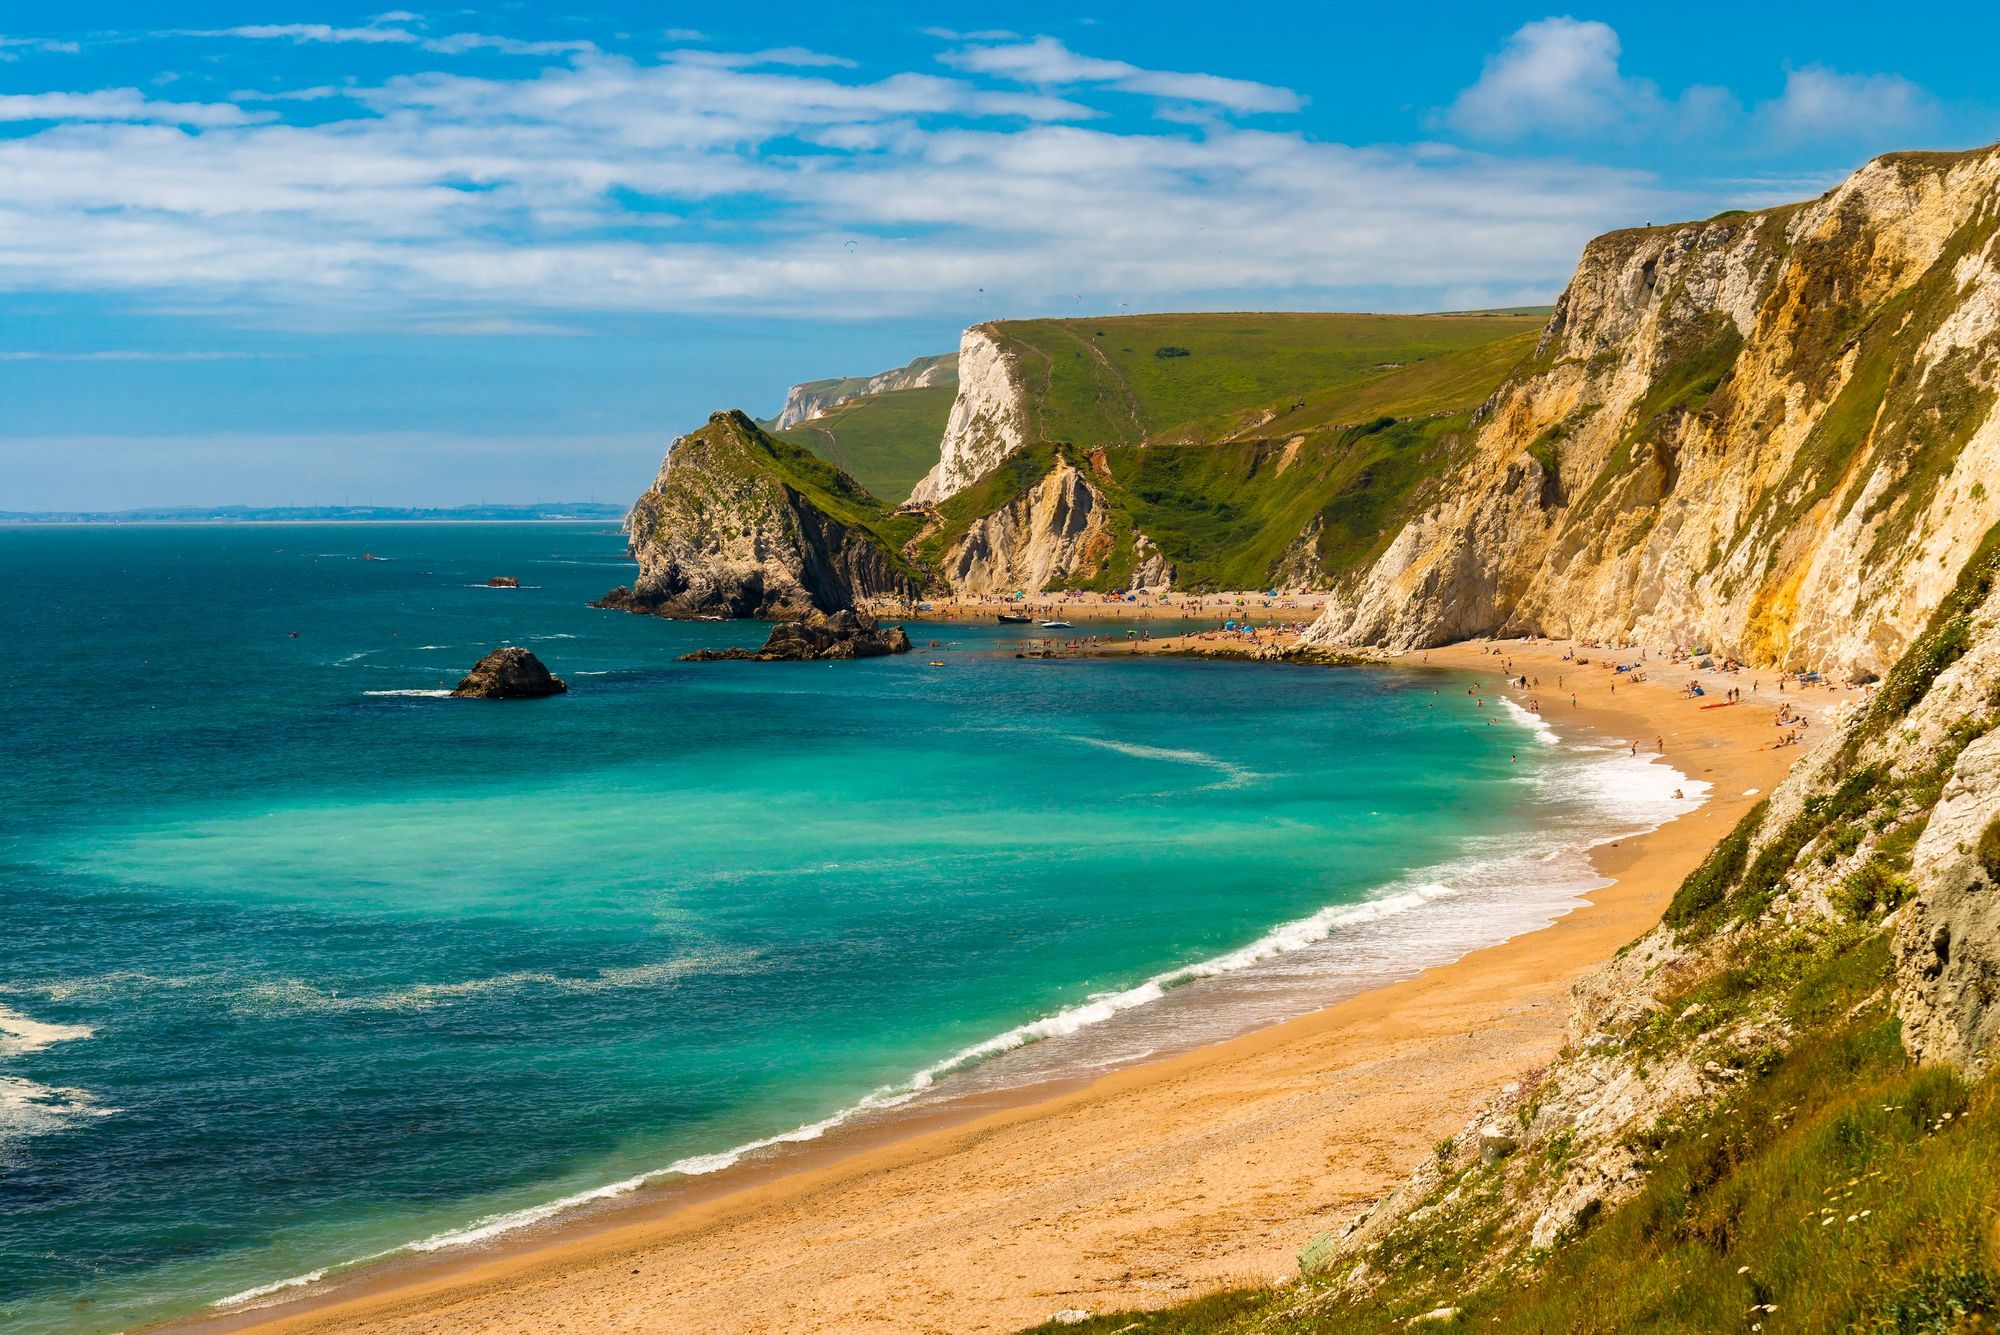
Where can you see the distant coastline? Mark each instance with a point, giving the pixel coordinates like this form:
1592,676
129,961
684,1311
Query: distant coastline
544,512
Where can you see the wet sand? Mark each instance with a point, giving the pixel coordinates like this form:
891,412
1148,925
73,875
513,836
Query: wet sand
1142,1188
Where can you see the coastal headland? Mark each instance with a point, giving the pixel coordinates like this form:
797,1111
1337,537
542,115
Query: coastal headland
1153,1183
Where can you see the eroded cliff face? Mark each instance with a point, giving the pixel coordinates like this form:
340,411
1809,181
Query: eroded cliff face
817,397
989,419
1771,434
1051,533
725,531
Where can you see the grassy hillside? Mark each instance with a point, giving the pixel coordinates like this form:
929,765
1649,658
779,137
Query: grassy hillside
1202,377
884,441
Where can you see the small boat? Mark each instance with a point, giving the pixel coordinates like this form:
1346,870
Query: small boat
1057,625
1014,619
937,662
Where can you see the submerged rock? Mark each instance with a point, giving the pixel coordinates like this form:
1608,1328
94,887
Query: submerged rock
503,582
509,673
846,634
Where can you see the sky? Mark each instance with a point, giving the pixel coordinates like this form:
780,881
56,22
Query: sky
310,253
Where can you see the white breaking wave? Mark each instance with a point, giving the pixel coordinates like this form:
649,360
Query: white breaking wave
1235,776
276,1286
438,694
1533,721
20,1034
28,1108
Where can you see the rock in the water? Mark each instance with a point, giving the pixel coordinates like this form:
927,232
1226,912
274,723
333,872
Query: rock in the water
509,674
846,634
503,582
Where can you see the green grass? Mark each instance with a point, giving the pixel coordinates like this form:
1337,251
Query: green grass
1099,382
886,442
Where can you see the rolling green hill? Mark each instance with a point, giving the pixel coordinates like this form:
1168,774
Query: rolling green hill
1203,377
884,441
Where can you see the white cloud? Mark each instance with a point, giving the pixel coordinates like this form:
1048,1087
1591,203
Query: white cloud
383,32
1821,103
302,33
1046,62
1555,75
120,104
682,186
10,47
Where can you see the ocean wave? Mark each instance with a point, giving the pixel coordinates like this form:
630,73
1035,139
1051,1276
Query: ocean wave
269,996
355,658
437,694
276,1286
30,1109
1234,775
20,1034
1534,722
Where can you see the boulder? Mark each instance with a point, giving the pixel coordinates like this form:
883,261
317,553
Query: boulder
509,674
819,635
503,582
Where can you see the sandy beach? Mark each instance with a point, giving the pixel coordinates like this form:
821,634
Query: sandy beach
1151,1184
1080,607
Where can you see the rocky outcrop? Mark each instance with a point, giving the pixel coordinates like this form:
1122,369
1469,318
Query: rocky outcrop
1152,572
1775,434
847,634
1050,534
503,582
509,673
989,419
1948,948
815,398
739,524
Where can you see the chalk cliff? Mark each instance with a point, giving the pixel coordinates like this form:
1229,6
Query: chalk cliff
989,419
1774,434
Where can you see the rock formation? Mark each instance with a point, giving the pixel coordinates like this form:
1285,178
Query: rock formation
739,524
503,582
844,634
1771,433
989,419
1053,532
817,397
509,673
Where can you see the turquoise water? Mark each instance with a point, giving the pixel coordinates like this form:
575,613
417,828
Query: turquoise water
301,967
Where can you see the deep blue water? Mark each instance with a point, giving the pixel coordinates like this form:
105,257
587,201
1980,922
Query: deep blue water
296,971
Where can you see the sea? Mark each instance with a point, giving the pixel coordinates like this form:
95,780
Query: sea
306,964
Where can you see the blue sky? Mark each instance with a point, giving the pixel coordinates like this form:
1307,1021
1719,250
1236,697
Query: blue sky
282,252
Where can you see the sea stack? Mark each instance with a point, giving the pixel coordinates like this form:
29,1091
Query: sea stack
847,634
509,673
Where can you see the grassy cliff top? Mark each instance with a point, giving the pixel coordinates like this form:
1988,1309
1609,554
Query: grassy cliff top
1201,377
884,441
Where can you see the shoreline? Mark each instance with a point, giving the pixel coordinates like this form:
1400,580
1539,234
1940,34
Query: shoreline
1220,1179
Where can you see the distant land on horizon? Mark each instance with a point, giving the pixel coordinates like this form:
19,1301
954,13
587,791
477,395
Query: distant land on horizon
322,514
